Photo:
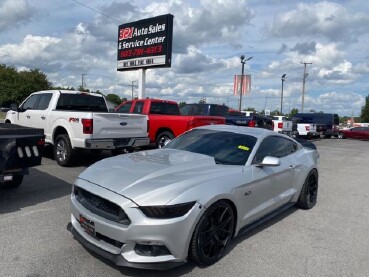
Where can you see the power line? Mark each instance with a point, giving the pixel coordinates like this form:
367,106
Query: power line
97,11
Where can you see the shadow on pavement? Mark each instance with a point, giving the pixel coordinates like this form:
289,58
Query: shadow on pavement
37,187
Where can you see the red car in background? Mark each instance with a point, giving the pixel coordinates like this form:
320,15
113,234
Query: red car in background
355,133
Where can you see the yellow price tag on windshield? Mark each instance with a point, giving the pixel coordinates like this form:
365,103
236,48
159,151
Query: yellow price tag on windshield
242,147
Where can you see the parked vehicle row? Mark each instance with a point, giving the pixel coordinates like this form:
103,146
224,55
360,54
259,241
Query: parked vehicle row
231,117
75,120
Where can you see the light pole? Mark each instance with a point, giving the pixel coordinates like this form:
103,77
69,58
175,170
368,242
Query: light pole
243,61
283,78
83,83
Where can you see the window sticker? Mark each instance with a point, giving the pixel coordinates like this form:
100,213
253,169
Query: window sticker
243,147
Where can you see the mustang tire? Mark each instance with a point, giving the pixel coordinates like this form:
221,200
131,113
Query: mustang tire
309,192
63,151
212,234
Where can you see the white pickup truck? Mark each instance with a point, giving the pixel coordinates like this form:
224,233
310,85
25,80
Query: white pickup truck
282,124
76,120
307,130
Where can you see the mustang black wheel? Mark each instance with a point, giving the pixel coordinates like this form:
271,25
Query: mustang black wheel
309,192
212,234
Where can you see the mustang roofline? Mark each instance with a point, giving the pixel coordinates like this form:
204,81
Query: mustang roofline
256,132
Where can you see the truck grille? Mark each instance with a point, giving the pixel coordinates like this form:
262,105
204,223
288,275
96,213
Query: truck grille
101,206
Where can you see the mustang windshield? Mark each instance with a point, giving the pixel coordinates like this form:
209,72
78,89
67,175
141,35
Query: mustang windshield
225,147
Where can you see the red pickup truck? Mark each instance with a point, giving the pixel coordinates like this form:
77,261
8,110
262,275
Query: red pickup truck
165,121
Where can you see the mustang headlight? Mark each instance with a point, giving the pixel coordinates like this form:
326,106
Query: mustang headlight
165,212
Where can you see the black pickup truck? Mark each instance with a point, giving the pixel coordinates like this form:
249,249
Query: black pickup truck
20,148
232,117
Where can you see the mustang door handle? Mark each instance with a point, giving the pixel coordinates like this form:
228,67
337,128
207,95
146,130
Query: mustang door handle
42,117
292,166
28,116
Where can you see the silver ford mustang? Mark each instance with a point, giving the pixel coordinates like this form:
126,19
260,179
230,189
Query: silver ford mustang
159,208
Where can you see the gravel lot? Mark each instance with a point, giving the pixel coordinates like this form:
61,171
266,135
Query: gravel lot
329,240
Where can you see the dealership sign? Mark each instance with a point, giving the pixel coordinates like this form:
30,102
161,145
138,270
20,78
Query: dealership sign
145,43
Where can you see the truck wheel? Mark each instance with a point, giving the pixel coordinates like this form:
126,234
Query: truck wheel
16,182
63,151
163,138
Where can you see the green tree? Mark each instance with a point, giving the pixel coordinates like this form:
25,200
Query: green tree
293,112
202,100
275,112
181,104
365,111
114,98
82,89
63,88
15,85
250,109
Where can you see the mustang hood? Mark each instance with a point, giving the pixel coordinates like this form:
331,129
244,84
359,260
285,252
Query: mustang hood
152,177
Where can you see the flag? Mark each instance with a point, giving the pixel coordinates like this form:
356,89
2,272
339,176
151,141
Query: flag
246,84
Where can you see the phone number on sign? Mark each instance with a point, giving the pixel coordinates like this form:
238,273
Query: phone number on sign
140,51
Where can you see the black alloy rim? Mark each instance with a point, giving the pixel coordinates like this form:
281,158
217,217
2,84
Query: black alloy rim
312,189
216,232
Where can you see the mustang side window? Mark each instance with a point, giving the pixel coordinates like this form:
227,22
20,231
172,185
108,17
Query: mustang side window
275,147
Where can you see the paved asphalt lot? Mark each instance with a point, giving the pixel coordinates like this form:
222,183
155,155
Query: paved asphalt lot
332,239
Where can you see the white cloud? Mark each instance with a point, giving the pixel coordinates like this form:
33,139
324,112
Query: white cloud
14,13
326,19
32,47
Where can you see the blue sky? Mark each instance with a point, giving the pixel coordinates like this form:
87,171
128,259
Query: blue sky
68,38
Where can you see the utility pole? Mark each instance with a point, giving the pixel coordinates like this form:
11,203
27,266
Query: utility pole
303,85
82,85
132,88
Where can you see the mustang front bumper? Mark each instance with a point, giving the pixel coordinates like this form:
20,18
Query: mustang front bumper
143,242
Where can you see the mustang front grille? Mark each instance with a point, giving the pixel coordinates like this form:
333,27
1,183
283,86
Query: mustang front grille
101,206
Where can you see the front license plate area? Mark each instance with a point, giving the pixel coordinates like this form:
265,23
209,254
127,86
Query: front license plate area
87,225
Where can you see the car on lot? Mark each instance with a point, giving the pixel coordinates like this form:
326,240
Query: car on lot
355,133
157,209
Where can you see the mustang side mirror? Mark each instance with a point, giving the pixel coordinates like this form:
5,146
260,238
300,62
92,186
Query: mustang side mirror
269,161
